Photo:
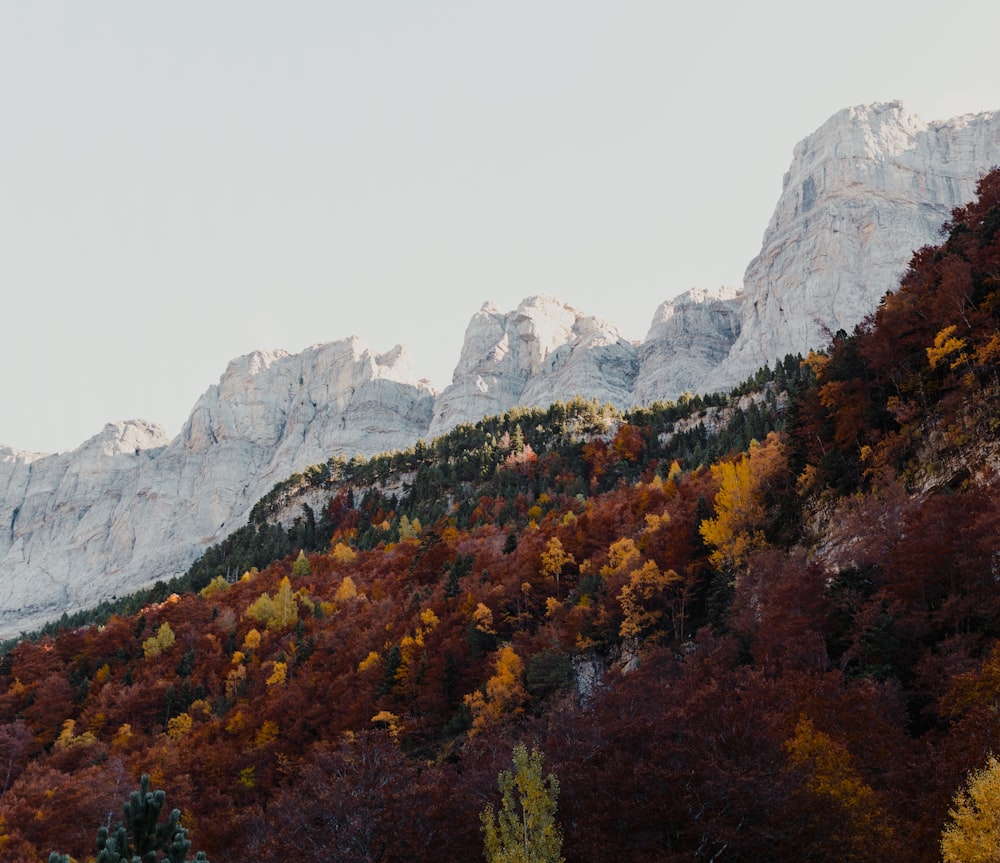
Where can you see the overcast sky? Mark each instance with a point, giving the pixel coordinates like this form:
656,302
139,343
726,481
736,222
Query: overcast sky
182,183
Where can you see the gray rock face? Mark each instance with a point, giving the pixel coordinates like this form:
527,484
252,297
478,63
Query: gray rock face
863,192
544,351
690,335
130,507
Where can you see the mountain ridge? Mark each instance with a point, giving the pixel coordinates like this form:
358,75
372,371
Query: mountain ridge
781,646
862,193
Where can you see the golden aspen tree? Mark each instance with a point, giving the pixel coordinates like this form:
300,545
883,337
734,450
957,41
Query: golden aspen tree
68,737
279,673
389,721
622,554
368,662
641,599
973,833
945,348
286,610
737,530
216,585
833,781
267,733
343,553
262,609
158,643
482,617
504,693
278,613
179,726
346,591
409,529
553,560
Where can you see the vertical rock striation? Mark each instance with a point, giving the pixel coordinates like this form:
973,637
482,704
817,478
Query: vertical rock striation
690,335
544,351
871,186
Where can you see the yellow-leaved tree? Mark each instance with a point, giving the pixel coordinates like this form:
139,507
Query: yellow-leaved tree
741,503
277,613
643,600
348,590
553,559
505,693
343,553
973,834
163,639
838,794
525,829
622,554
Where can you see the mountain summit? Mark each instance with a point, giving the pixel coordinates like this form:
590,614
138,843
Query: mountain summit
865,190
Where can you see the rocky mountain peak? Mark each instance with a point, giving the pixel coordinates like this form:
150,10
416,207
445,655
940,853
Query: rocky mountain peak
868,188
128,437
543,351
688,338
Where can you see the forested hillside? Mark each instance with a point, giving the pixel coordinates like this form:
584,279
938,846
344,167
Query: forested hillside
755,628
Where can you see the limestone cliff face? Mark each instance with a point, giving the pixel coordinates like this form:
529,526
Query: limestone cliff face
690,335
129,506
863,192
544,351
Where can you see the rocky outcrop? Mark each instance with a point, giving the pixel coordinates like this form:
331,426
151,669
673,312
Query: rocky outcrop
690,335
863,192
130,507
544,351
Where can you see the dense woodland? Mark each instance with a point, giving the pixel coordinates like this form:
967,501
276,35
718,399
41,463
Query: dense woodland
761,627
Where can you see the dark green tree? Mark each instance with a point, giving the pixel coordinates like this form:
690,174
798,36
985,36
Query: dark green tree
143,837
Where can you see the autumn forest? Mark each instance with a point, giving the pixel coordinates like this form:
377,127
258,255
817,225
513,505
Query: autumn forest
755,627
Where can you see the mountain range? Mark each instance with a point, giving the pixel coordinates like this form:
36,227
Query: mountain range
761,625
131,506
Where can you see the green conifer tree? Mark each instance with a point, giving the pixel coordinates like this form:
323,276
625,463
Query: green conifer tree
143,838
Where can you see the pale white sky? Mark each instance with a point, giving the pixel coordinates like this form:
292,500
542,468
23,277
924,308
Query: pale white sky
182,183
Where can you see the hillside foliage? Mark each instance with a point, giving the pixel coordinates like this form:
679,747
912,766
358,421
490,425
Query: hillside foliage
760,627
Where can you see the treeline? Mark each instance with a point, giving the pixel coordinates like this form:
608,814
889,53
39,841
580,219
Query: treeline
570,449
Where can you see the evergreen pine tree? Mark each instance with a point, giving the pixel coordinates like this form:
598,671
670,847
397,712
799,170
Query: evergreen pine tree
143,837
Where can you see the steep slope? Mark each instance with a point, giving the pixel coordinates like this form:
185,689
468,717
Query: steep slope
788,652
863,192
130,507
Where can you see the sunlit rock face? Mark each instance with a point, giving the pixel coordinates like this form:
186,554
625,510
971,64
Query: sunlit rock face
688,338
130,507
543,351
863,192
